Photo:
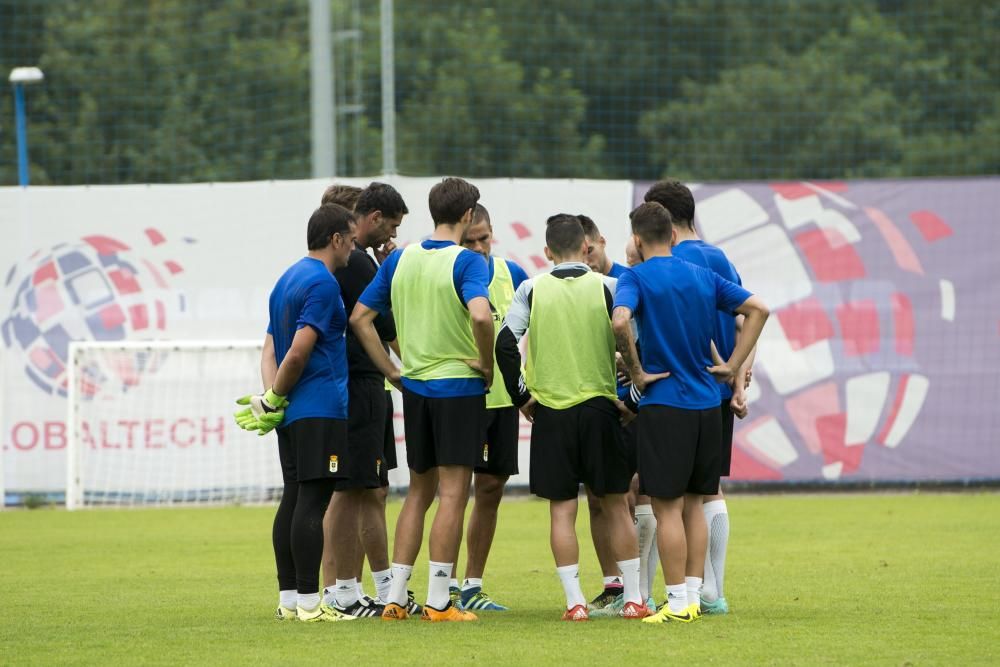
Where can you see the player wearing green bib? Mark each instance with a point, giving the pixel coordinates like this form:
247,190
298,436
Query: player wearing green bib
568,393
498,453
437,292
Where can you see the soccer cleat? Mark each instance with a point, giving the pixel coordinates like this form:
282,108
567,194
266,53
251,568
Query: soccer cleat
635,610
412,608
719,606
455,595
394,612
577,613
606,597
284,614
611,609
363,609
449,613
476,600
651,605
664,615
324,613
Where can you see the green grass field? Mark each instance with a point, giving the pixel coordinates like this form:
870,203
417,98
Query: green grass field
817,579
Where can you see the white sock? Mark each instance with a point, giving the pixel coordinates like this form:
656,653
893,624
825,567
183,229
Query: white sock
437,584
452,583
645,524
361,590
693,586
630,580
397,588
653,563
717,519
330,595
614,582
383,582
569,575
472,583
677,597
308,601
288,599
347,592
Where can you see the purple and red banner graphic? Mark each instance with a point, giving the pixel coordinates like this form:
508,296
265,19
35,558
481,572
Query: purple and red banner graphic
881,359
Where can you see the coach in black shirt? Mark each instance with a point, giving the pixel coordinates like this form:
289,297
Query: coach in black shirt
357,510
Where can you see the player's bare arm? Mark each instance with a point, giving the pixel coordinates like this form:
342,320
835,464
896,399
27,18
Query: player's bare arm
268,363
295,360
483,332
363,324
755,313
625,341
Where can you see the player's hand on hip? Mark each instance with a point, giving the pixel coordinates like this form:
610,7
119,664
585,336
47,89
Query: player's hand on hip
644,379
395,379
721,372
263,412
528,409
625,414
746,381
479,367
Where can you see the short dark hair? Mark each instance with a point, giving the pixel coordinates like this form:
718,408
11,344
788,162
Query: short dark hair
563,233
651,222
481,214
450,199
676,197
381,197
589,227
345,195
327,220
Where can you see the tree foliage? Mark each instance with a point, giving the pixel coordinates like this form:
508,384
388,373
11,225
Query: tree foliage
177,90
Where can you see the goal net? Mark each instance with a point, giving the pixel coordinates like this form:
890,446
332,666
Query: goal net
151,423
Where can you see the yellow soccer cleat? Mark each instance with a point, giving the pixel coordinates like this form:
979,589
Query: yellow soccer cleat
324,613
664,615
284,614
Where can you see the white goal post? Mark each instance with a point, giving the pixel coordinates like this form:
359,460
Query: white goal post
151,423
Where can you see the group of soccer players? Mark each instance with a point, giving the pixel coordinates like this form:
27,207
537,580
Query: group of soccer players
658,412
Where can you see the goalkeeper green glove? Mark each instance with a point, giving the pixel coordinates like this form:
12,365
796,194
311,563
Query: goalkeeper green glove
265,412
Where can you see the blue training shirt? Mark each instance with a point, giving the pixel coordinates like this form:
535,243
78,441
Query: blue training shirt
308,295
471,279
706,255
616,270
674,304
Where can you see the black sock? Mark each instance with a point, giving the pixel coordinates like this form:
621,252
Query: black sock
281,537
307,532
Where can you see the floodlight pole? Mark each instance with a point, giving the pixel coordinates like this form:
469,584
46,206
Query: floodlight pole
388,91
324,128
21,123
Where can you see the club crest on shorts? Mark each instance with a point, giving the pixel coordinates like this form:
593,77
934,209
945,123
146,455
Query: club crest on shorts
486,452
378,466
333,463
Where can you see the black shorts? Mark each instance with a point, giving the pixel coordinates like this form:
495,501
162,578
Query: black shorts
365,433
726,460
578,445
630,437
443,431
678,451
498,454
388,442
313,448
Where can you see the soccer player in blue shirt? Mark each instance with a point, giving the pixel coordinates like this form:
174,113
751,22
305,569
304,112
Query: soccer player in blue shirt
674,303
678,199
304,367
438,294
